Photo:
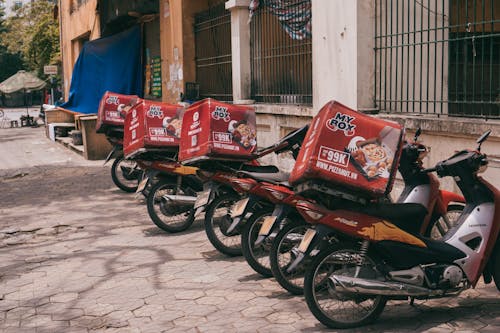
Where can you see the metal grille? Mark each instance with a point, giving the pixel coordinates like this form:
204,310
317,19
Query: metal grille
438,57
281,66
213,53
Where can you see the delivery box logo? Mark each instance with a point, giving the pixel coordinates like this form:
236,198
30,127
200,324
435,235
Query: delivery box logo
342,122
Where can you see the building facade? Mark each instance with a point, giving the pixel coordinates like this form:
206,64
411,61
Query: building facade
432,65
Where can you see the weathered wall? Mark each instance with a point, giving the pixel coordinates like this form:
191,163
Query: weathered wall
75,24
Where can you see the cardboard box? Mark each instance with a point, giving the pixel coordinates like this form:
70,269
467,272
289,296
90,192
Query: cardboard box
215,130
110,107
150,126
350,150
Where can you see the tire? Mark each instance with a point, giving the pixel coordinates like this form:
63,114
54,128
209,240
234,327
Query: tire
256,256
217,220
440,225
341,310
169,218
126,181
281,257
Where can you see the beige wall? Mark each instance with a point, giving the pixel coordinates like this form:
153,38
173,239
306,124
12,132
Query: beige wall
74,25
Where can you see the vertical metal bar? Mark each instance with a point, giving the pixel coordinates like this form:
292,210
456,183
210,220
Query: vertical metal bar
376,53
408,58
443,46
421,50
428,57
402,49
396,46
483,19
390,61
491,56
435,53
385,57
457,47
473,106
414,53
466,60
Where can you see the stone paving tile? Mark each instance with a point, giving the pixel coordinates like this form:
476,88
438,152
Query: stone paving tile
119,273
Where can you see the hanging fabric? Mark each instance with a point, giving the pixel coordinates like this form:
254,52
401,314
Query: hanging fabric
293,15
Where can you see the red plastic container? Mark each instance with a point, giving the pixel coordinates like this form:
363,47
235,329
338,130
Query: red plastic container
151,126
215,130
350,150
109,110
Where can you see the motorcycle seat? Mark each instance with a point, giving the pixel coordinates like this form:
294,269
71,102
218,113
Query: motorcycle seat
260,168
407,216
277,177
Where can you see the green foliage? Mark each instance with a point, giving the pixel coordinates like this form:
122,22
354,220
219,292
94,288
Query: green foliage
10,62
33,32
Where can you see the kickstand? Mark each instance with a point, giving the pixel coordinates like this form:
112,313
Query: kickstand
412,301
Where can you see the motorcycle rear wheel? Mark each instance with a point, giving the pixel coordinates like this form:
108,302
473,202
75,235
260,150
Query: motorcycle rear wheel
256,256
335,309
217,221
169,219
125,174
281,257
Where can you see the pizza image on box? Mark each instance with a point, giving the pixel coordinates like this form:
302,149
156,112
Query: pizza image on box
173,125
373,157
242,133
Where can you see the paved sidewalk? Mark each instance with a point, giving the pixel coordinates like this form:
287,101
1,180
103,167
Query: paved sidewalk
79,255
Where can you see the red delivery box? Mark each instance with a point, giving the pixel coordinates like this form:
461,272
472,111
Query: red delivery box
109,110
350,150
215,130
152,125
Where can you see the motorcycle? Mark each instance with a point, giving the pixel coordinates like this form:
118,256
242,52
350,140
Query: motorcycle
165,177
218,195
297,243
376,259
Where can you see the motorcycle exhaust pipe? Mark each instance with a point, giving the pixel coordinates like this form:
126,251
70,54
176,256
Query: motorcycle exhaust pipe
345,284
180,199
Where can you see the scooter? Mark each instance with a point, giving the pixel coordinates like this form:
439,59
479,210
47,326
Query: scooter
294,246
376,259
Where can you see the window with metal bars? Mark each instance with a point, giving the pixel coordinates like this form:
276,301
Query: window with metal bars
281,65
438,57
212,30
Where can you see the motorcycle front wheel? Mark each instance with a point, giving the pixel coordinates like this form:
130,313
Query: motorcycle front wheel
218,220
167,216
257,256
125,174
281,257
338,309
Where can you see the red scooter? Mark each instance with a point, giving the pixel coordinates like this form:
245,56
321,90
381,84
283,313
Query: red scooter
300,241
376,259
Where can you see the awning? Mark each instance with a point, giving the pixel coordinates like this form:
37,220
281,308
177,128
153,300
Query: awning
21,81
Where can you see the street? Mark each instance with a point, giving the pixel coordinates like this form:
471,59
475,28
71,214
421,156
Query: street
79,255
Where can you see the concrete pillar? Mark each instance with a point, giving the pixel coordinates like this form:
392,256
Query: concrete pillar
240,48
343,52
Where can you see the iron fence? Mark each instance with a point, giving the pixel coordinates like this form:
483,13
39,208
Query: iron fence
212,30
438,57
281,66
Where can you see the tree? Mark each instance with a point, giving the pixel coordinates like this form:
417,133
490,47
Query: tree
10,62
34,32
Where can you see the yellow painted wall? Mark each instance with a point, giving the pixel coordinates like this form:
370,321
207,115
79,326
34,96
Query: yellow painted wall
75,24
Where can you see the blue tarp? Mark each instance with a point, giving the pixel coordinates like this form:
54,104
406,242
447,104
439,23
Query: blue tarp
111,63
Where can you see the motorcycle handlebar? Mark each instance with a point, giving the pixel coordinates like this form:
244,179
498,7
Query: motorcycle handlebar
428,170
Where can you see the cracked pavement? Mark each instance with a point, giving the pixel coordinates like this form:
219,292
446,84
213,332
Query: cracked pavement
79,255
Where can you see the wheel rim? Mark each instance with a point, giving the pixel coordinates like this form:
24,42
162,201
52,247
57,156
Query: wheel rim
286,256
166,215
341,307
221,220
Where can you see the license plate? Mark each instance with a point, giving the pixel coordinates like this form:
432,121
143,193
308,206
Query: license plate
142,185
202,199
306,241
238,208
267,225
